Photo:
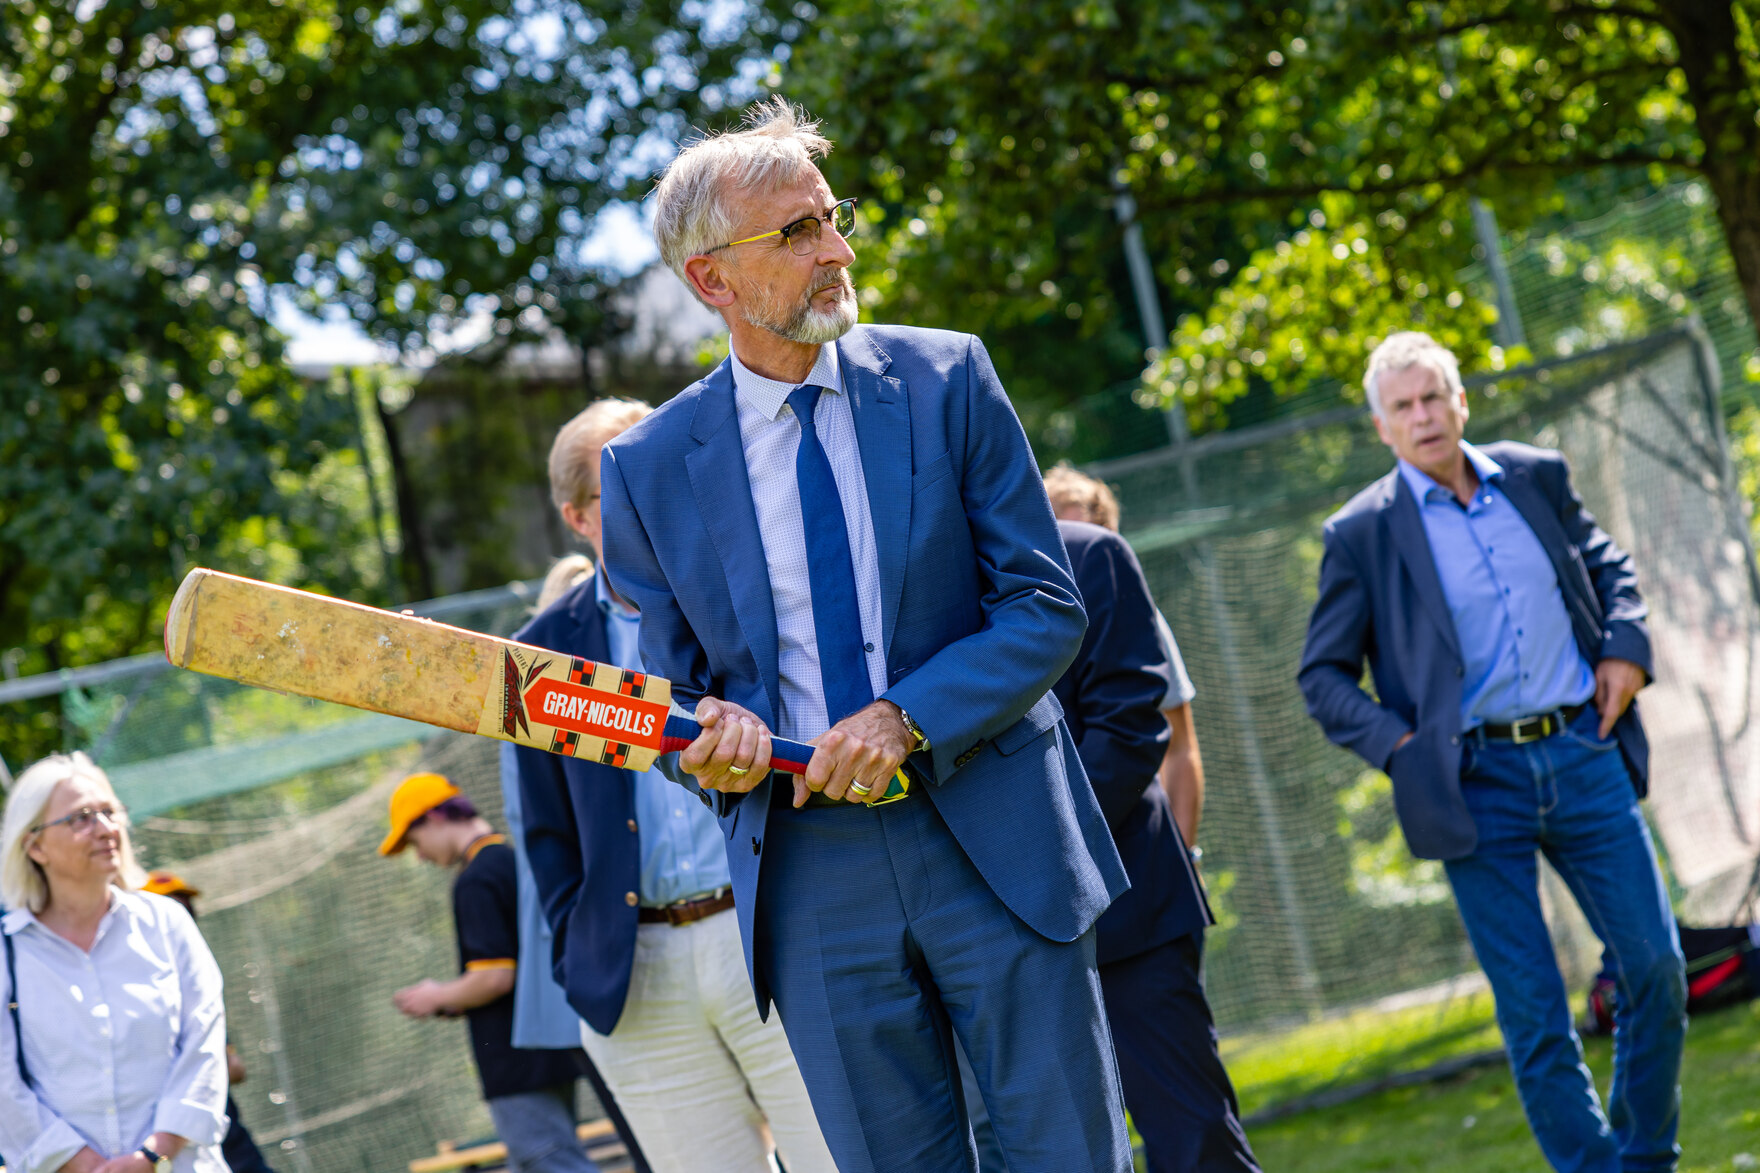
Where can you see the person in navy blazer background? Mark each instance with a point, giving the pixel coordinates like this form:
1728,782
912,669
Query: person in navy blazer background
1150,942
632,873
844,526
1506,639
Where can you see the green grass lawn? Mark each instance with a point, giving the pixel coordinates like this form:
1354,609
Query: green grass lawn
1275,1067
1473,1123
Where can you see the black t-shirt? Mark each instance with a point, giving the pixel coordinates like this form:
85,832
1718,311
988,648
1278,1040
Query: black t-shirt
485,911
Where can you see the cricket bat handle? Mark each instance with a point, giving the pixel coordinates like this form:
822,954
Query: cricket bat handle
791,757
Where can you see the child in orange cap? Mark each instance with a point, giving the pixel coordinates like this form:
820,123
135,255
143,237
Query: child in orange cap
530,1094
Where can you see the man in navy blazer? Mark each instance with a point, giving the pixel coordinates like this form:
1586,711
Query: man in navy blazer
633,878
1506,639
841,535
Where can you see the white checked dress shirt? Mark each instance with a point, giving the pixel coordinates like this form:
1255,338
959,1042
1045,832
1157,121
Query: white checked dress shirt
771,434
121,1042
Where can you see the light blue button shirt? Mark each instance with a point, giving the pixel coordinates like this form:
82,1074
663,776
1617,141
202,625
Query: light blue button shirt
682,851
542,1017
1517,647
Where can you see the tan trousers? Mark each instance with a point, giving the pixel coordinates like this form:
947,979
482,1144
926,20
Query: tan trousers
695,1071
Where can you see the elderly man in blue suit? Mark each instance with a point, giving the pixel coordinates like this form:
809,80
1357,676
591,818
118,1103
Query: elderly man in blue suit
634,880
840,535
1506,640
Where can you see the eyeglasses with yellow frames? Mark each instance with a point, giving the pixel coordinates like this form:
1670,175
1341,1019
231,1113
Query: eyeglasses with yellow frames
802,236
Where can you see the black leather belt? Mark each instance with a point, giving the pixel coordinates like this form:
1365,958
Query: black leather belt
1531,728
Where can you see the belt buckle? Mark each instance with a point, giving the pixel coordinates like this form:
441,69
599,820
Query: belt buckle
1541,725
679,908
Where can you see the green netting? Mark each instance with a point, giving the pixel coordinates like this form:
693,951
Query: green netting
1642,265
273,807
1333,944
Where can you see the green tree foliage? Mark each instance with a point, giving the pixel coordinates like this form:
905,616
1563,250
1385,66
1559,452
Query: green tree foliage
166,167
1301,172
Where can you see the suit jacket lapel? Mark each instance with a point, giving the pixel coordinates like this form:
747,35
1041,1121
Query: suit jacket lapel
1406,526
881,410
1531,503
723,491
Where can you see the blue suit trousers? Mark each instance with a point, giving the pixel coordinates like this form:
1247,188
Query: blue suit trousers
894,945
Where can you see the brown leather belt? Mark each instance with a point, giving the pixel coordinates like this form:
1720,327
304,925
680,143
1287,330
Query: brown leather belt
686,911
1531,728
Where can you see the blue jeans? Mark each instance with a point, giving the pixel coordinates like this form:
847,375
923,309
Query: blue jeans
1569,796
538,1130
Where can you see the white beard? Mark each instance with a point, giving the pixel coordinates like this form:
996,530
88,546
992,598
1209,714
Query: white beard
804,323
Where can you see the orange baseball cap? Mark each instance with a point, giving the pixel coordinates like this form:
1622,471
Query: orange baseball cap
162,883
414,797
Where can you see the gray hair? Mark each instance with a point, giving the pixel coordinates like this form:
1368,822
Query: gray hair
23,883
574,454
1409,348
692,211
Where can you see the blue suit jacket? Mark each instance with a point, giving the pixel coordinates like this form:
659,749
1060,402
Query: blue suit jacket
1110,697
1381,599
980,615
580,836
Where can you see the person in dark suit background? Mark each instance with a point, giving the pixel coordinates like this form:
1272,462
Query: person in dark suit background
1076,496
632,872
1506,639
1151,940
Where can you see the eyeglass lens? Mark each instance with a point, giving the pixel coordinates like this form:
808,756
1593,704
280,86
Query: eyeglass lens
87,817
803,236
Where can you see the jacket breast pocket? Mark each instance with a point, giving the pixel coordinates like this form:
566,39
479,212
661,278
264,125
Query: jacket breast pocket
934,471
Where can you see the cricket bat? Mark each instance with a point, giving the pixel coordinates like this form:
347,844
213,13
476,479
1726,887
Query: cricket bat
293,641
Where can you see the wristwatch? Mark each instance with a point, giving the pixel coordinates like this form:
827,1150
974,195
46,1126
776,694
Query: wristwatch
917,735
160,1164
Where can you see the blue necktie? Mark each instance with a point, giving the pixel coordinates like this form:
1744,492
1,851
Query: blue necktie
837,621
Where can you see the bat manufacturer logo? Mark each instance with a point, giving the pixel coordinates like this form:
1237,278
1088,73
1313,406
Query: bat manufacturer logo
513,719
616,718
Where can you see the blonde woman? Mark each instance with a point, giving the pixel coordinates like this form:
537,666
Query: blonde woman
113,1057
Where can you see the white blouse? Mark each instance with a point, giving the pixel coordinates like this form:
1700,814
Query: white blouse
120,1043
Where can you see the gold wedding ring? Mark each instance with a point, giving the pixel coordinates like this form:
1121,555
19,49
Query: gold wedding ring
738,772
858,788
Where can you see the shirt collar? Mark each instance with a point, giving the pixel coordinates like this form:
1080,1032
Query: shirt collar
475,847
122,902
766,396
1421,484
609,604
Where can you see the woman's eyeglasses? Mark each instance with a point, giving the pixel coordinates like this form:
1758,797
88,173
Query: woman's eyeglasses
85,818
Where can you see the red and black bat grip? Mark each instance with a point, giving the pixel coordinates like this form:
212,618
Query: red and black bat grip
790,757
